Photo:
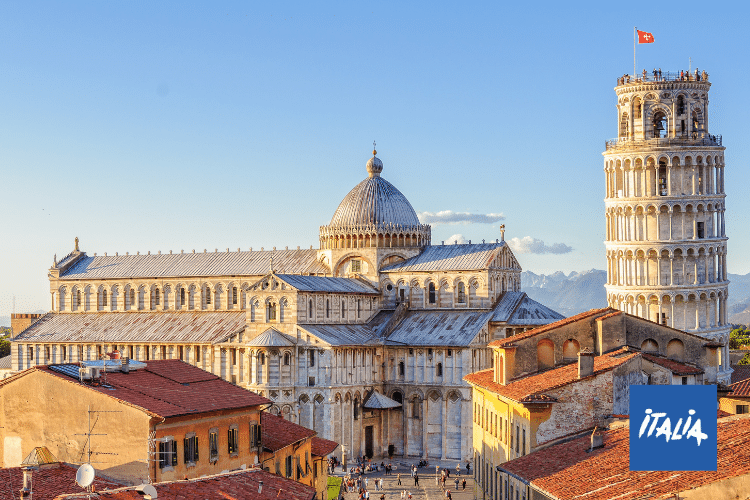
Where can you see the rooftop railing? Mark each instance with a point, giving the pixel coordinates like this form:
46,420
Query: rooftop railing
697,139
667,76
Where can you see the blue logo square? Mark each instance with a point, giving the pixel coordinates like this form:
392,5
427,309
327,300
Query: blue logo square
673,427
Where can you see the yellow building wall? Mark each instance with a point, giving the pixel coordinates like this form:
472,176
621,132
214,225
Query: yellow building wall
179,428
301,454
494,422
39,409
730,404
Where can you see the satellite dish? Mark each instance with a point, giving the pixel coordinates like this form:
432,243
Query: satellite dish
85,475
147,489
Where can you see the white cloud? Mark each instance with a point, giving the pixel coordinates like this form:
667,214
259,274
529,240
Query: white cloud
527,244
451,217
456,238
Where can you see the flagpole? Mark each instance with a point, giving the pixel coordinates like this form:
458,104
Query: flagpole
634,36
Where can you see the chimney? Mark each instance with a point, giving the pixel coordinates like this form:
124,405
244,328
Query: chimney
597,439
26,490
585,363
125,365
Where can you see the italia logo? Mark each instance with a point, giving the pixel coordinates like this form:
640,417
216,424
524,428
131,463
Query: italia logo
673,427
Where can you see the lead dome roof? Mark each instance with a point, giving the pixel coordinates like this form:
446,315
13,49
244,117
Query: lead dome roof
374,201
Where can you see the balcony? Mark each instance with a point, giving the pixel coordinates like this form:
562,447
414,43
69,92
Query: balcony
666,76
696,139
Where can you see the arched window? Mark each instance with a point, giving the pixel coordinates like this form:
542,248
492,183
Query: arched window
343,309
432,293
680,105
309,309
461,293
262,358
207,293
624,125
157,297
78,298
271,308
439,370
570,349
234,295
545,354
401,368
328,308
415,404
356,409
104,297
287,359
359,308
660,124
398,397
182,296
636,108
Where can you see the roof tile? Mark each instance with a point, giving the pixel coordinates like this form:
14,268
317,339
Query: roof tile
279,433
47,482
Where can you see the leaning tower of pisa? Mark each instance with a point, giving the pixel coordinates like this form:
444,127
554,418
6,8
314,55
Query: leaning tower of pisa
665,240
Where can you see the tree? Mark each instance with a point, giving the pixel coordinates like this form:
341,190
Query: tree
738,337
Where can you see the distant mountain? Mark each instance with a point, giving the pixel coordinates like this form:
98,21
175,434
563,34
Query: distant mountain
578,292
568,295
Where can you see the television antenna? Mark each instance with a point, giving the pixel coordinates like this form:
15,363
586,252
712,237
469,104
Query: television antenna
87,445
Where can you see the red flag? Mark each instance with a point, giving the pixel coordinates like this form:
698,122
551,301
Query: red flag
645,37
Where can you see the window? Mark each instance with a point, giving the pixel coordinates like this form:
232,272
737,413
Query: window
232,440
401,368
524,441
78,298
356,409
449,353
288,466
311,355
208,295
64,352
328,308
359,308
234,295
517,438
741,409
700,230
31,353
684,381
234,356
191,448
343,308
262,357
415,408
432,293
411,352
271,308
213,444
310,381
310,309
104,297
461,293
182,296
198,354
439,370
255,436
356,266
167,453
287,359
46,353
163,352
156,297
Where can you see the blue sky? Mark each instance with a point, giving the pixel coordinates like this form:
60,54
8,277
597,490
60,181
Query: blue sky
188,125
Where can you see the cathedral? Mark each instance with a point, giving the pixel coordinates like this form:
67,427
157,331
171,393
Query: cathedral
366,340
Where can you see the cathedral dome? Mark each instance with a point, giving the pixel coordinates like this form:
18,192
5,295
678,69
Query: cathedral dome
374,201
376,206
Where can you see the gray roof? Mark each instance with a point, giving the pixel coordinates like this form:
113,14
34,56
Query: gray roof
374,201
327,284
271,338
247,263
439,328
125,327
378,401
516,308
6,362
342,334
467,257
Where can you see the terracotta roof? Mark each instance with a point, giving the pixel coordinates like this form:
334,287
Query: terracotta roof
741,372
610,315
529,388
279,433
722,414
169,388
740,389
47,482
550,326
242,484
568,470
322,447
674,366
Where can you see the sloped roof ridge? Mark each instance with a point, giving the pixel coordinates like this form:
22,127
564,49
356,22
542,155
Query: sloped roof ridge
548,327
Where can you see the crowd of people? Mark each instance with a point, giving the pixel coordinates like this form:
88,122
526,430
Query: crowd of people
358,486
684,76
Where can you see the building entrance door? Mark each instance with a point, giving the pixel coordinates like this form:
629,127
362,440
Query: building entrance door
368,441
